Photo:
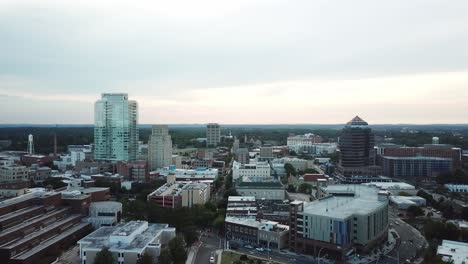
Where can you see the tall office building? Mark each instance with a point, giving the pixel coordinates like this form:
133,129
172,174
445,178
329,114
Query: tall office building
159,147
115,128
357,154
213,134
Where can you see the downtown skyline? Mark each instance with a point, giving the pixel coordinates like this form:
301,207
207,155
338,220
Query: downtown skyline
262,62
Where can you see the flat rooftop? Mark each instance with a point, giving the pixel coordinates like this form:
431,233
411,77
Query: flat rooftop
259,182
391,185
175,188
347,200
101,237
241,199
453,250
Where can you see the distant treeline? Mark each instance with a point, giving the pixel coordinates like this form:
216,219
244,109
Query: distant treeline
182,135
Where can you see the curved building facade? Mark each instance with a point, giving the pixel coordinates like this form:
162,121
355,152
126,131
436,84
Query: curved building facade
357,153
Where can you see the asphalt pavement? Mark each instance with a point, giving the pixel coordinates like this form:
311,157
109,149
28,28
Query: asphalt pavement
409,243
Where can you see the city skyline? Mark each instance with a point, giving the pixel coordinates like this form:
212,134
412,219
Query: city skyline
248,62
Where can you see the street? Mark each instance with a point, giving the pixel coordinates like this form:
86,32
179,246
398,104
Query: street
410,242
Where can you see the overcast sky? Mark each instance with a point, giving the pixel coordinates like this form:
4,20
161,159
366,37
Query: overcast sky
239,61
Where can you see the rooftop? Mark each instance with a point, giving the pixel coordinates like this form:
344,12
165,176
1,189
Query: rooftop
391,185
241,199
453,251
346,200
176,188
102,236
357,121
259,182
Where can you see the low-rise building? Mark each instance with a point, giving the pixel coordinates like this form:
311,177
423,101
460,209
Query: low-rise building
349,216
259,169
242,206
14,173
298,164
453,252
106,213
266,188
135,170
127,242
264,233
395,188
402,167
39,174
403,202
40,224
13,189
176,194
200,174
242,155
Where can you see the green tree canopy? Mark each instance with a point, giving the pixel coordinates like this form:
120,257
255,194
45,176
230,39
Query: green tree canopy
104,257
305,188
145,259
414,211
177,249
290,170
165,257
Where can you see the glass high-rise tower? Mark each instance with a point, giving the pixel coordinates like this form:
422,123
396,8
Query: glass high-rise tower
115,128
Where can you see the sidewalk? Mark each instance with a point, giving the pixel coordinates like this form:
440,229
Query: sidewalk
192,254
373,257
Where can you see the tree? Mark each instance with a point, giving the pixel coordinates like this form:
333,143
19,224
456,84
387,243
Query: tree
414,211
305,188
218,222
190,235
104,257
464,213
177,249
145,259
291,188
165,257
290,170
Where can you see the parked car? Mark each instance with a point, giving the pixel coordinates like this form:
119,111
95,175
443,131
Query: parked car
260,249
248,246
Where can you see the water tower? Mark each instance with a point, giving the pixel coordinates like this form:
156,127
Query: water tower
30,145
435,140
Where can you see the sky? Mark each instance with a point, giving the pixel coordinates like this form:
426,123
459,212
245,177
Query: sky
236,62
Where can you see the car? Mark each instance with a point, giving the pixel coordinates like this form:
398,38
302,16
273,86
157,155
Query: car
260,249
248,246
396,223
211,259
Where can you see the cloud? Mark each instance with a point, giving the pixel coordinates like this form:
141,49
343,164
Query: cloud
239,61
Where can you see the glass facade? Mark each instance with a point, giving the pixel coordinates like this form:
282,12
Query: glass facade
115,128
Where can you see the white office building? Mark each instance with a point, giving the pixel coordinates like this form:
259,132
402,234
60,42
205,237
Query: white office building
259,169
213,134
159,147
115,128
12,173
311,144
127,242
